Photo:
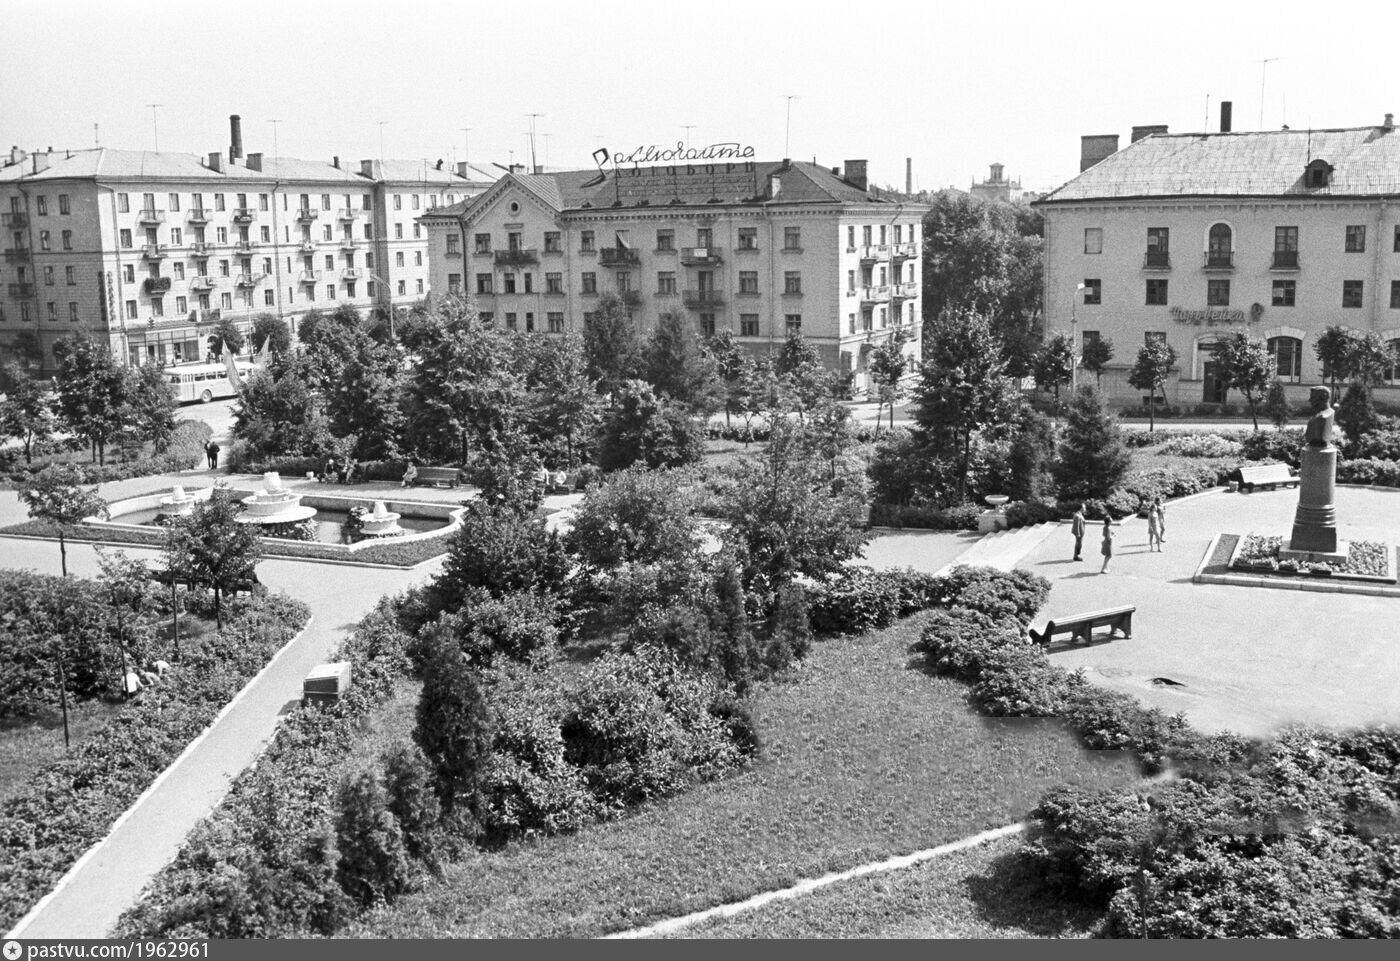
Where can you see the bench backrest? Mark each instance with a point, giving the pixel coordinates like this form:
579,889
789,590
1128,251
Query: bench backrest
1108,612
438,472
1265,474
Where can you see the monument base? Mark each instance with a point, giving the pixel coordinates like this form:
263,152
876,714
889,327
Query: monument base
1337,556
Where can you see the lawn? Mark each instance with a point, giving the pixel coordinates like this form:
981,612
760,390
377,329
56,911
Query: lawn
863,758
28,745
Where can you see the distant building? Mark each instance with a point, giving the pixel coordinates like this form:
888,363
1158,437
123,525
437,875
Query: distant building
145,251
997,187
1191,238
761,249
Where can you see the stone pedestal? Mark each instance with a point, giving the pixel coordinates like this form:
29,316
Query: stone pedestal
1315,523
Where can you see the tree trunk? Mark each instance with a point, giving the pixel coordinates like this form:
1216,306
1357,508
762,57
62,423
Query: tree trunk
218,607
966,457
1253,414
62,553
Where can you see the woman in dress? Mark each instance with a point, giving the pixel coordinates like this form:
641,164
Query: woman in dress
1107,549
1154,528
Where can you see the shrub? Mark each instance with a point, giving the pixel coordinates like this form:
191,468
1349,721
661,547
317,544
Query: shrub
861,599
1026,593
454,727
1279,445
1202,445
1029,513
959,517
1386,473
374,863
1381,444
410,798
520,626
34,609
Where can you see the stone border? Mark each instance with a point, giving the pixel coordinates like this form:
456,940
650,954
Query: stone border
1321,585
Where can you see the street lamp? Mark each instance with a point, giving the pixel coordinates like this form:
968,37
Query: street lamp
1074,342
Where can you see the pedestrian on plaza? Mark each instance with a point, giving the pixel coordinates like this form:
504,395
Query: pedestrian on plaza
1107,549
1076,528
1154,527
212,450
1161,523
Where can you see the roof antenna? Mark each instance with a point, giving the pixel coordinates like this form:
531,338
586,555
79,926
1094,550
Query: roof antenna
1206,128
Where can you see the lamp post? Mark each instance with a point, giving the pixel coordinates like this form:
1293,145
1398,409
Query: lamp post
1074,342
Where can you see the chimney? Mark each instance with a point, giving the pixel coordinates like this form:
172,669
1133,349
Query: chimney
216,162
909,175
462,169
517,168
235,133
1147,131
335,162
1389,124
41,162
1225,107
1096,147
367,169
17,155
855,174
255,161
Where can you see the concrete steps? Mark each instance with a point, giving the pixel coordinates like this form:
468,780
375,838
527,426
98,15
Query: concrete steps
1003,549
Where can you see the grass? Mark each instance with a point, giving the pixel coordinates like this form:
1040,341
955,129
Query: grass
863,758
28,745
991,891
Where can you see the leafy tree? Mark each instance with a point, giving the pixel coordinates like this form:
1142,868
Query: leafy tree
804,382
636,517
272,334
501,550
1369,359
56,495
277,413
1093,458
887,367
1356,414
563,400
226,338
1276,404
1095,357
27,350
126,584
149,405
1155,362
222,552
1248,368
360,380
374,864
678,366
612,345
1054,365
644,428
454,728
733,367
26,413
963,388
92,391
1031,460
1334,348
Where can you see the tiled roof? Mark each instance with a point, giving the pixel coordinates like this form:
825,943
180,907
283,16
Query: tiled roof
1365,162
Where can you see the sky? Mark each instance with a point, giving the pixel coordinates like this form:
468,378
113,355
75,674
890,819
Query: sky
953,86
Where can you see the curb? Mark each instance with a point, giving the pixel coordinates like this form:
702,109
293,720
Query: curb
18,930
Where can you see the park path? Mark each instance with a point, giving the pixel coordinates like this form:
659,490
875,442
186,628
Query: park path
88,903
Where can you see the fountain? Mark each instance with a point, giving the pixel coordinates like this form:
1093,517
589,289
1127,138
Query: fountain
274,504
178,504
380,522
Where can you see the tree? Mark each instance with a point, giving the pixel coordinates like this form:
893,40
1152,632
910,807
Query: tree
1031,460
887,366
373,865
1276,404
733,367
1356,415
563,401
226,337
1248,368
277,413
1054,365
636,517
92,391
1093,457
1095,357
678,366
612,345
1155,362
271,334
963,388
415,807
56,495
641,427
126,583
1369,359
360,380
454,727
26,413
149,405
1334,348
222,552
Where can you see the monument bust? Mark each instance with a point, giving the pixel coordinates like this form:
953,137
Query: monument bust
1319,431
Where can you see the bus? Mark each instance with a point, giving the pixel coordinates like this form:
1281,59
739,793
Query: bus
205,382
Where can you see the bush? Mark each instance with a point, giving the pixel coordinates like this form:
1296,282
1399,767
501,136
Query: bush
35,608
860,599
1023,592
1385,473
1029,513
374,865
520,626
960,517
1279,445
1382,444
1202,445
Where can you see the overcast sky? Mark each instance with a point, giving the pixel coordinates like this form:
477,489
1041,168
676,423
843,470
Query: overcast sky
955,86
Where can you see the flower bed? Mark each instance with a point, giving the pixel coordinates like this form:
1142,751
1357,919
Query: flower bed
1366,560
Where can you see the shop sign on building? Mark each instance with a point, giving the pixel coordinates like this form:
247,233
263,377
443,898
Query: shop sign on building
1209,316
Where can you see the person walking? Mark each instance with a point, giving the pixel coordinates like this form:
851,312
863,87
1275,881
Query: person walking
212,450
1107,549
1154,530
1161,523
1076,528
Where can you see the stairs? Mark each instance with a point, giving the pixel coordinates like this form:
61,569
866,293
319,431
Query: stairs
1003,549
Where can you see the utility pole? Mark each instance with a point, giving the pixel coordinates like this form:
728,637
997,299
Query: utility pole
1263,73
534,168
155,124
787,133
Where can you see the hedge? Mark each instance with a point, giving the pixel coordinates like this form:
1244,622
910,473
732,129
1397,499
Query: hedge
71,804
185,452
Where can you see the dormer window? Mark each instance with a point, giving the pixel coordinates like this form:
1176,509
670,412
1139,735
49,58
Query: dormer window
1317,174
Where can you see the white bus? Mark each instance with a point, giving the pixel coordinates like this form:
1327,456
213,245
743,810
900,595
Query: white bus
204,382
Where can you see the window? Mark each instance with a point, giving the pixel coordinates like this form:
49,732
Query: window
63,207
508,281
330,261
850,323
157,307
1394,293
865,235
792,282
418,285
1397,238
48,276
1157,291
1158,247
123,203
707,324
223,268
484,284
179,270
850,281
401,289
44,240
704,237
1356,239
1155,337
586,242
748,237
366,202
748,281
125,237
131,310
553,244
1220,250
226,300
268,298
1287,353
850,238
792,323
482,243
129,274
414,201
555,320
1352,293
590,282
792,238
42,203
666,282
369,260
1093,240
1093,290
398,201
1286,238
454,283
1218,292
510,321
368,233
748,325
221,235
70,277
417,230
529,283
1285,293
398,258
68,240
452,245
265,234
554,283
624,281
73,311
398,231
665,240
218,201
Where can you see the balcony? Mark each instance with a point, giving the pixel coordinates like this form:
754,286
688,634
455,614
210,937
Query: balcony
453,253
877,294
351,273
249,280
874,252
903,251
307,214
348,243
153,251
15,218
1220,260
618,257
21,291
245,246
630,298
16,255
201,282
307,246
702,298
1285,260
904,291
156,285
151,216
345,213
700,256
517,257
1157,260
243,215
746,246
309,277
199,249
198,215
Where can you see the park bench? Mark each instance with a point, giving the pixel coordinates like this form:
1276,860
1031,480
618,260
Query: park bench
1080,627
1270,476
234,589
451,476
565,486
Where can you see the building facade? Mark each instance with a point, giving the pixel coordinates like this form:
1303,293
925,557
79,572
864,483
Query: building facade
147,251
1192,238
759,249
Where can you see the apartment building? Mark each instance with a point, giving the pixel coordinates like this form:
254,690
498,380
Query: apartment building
761,249
1191,238
148,250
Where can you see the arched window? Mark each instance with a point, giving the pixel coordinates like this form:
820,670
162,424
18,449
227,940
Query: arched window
1220,249
1287,353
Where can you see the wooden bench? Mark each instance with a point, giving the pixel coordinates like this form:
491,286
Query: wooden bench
567,486
234,589
1270,476
1080,627
451,476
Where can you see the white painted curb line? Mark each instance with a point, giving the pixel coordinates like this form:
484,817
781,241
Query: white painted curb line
812,884
18,930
